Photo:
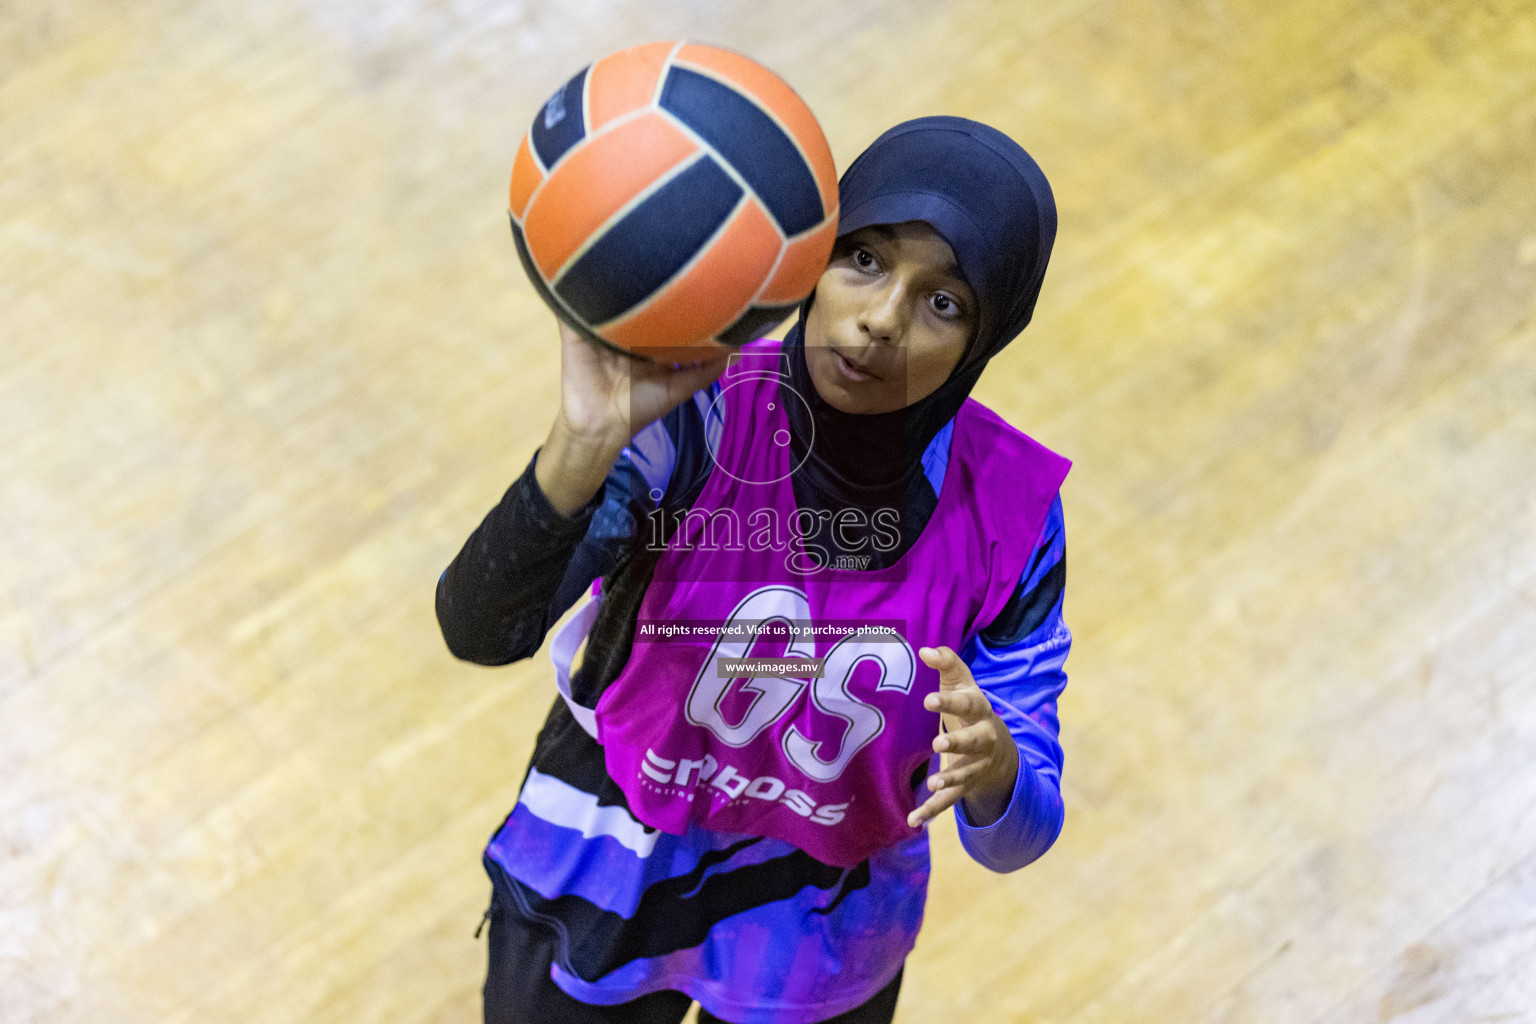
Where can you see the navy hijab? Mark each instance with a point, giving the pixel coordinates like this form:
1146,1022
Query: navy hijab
989,200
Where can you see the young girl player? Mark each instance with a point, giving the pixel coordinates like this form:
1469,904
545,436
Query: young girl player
751,837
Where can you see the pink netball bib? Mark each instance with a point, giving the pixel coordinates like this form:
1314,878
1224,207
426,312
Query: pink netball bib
774,693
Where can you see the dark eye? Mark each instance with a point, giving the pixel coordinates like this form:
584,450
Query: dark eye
945,306
863,258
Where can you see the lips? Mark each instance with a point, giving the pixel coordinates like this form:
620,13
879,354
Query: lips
853,370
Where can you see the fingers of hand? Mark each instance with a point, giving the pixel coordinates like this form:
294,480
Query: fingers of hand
953,673
692,376
968,704
978,739
935,657
959,774
940,659
934,806
655,388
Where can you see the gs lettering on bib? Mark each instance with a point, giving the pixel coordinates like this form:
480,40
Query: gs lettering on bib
770,689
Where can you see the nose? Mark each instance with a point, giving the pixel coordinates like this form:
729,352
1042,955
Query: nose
884,316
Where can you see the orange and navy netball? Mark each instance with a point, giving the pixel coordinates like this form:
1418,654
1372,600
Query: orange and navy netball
674,197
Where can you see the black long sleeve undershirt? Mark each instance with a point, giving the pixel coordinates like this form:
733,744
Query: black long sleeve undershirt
514,576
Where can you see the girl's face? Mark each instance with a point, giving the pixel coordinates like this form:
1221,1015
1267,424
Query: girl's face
891,318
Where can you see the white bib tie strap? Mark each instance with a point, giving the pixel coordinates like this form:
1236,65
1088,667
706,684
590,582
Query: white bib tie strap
562,651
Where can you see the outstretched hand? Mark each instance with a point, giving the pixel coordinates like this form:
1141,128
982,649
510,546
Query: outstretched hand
981,762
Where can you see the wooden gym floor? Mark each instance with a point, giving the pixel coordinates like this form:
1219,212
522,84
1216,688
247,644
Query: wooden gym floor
268,357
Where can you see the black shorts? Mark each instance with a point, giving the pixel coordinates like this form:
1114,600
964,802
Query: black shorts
519,990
